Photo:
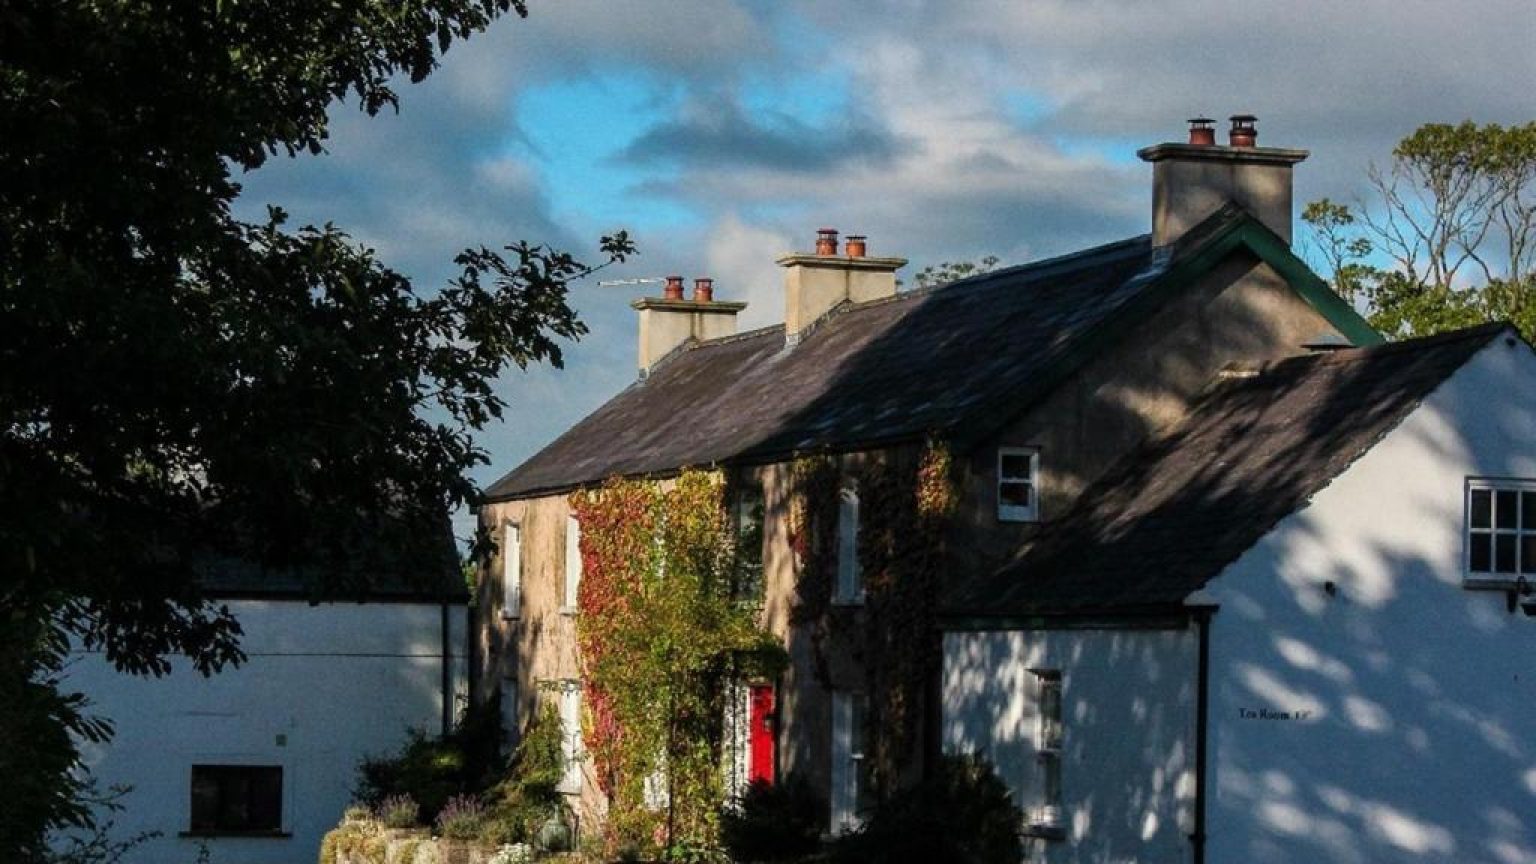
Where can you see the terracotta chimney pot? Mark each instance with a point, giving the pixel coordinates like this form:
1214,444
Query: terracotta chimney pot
673,290
1244,133
1201,132
703,290
826,241
855,247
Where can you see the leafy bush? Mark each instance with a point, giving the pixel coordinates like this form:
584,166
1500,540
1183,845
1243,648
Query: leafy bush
461,818
432,770
398,811
530,796
774,822
963,814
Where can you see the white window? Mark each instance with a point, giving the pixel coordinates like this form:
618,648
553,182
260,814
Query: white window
511,571
1018,486
509,728
570,736
1049,733
850,767
568,601
850,582
1501,530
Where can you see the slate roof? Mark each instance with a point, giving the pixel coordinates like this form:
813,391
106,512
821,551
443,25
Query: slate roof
1172,515
959,360
231,579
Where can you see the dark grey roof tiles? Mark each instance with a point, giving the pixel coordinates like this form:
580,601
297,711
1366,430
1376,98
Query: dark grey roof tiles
920,362
1171,516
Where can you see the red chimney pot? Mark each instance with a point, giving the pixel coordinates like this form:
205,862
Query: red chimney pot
703,290
855,247
1201,132
673,290
826,241
1244,133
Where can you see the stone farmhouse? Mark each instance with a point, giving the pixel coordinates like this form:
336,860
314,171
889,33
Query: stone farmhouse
1226,578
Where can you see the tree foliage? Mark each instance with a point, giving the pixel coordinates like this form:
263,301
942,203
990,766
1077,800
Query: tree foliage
178,386
1449,237
951,271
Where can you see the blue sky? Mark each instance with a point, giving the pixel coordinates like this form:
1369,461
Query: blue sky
723,133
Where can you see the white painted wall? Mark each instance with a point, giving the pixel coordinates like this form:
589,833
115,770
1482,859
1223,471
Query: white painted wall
336,681
1419,739
1128,708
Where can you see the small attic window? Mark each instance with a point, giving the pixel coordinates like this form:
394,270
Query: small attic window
1018,487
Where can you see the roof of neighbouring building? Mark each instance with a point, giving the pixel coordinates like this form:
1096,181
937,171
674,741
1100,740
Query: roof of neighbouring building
957,360
1171,516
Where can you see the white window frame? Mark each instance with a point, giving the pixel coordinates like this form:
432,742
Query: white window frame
847,761
1014,512
571,590
1524,527
849,589
571,748
511,570
1045,819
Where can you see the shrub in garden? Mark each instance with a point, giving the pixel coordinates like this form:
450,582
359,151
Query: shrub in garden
774,822
398,811
432,770
962,814
461,818
529,797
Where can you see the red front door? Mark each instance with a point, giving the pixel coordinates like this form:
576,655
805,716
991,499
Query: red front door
761,736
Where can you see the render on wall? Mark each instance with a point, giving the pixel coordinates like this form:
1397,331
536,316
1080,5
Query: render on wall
1367,706
1127,740
323,687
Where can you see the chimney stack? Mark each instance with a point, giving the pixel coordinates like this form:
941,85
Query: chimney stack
669,320
1191,181
816,284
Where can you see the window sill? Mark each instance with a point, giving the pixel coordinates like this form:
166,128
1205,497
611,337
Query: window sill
569,611
1019,515
848,602
1043,831
270,835
510,616
1494,582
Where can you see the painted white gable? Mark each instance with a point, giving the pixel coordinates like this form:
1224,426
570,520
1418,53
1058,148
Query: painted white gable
323,686
1411,700
1365,706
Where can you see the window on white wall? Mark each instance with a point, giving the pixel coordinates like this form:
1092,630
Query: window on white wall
1049,735
1018,486
1501,529
850,765
511,570
850,582
569,596
570,736
236,799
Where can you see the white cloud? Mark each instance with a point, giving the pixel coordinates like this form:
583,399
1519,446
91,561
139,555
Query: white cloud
991,127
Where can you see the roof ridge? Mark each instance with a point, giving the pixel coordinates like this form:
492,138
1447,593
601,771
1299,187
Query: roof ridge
1044,266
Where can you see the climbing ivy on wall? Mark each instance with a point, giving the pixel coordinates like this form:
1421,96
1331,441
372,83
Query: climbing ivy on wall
661,640
907,498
